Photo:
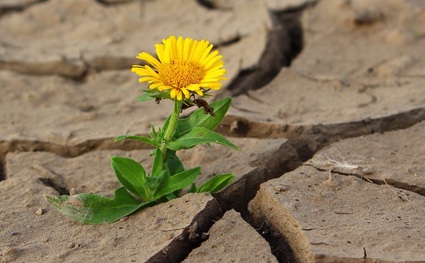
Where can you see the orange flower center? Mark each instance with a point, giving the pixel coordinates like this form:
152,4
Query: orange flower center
180,74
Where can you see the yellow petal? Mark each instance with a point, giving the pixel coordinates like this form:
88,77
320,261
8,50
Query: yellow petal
173,93
151,72
185,92
193,87
200,93
156,85
147,79
171,45
206,51
199,50
149,58
217,65
187,49
208,61
214,74
165,87
180,47
160,51
179,94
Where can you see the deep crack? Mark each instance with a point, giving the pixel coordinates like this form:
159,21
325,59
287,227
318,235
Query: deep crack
192,236
71,150
284,43
51,183
2,170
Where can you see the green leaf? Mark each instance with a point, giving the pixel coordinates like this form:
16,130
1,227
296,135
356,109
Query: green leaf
153,94
165,127
96,209
131,175
199,119
137,138
199,135
145,97
178,181
216,183
154,134
193,189
158,162
174,165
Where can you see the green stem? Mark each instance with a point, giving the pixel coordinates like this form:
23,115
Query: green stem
171,126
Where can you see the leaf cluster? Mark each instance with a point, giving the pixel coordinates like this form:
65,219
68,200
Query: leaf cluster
165,181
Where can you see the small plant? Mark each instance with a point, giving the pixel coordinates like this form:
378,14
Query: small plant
185,71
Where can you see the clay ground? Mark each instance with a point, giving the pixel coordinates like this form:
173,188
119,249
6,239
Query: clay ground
328,104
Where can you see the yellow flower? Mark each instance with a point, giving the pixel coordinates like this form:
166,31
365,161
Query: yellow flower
184,66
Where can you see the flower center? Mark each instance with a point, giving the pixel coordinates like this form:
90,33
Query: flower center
180,74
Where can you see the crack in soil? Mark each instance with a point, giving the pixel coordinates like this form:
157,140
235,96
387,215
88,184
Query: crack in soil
303,143
284,43
306,141
2,170
362,173
51,183
18,7
113,3
192,236
70,150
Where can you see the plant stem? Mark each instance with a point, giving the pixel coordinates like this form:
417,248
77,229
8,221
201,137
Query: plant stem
171,126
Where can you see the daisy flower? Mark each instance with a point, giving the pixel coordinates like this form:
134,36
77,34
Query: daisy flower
184,67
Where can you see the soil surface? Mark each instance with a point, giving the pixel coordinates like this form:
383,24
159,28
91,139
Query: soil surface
328,109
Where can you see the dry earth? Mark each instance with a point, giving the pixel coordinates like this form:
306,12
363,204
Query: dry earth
328,109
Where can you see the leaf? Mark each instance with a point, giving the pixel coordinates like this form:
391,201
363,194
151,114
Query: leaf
137,138
158,162
145,97
96,209
199,135
193,189
178,181
216,183
199,119
132,176
153,94
174,165
165,127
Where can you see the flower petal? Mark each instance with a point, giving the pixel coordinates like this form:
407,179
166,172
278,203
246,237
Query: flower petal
160,51
165,87
171,46
179,94
185,92
187,48
200,93
173,93
148,58
180,47
193,87
206,51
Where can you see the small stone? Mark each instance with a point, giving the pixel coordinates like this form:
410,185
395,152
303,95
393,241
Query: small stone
168,236
39,211
71,245
72,191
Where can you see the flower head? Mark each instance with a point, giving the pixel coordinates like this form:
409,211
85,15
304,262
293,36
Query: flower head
184,67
